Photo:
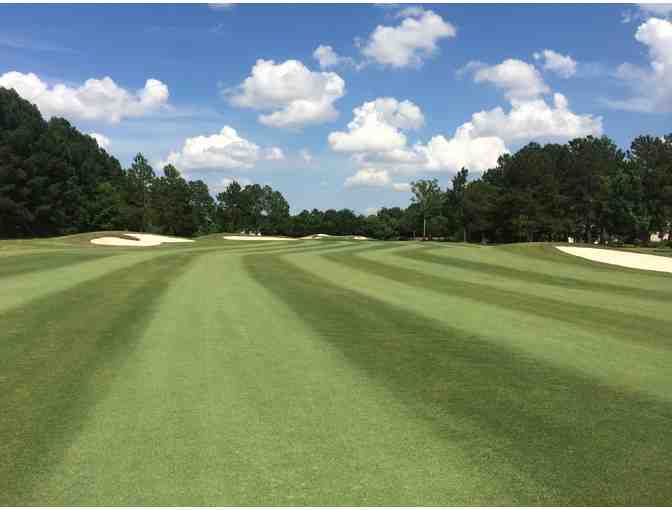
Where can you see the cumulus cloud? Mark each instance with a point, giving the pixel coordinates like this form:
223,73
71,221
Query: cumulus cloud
96,99
518,79
295,95
274,154
470,67
377,134
530,116
652,90
465,149
563,65
374,178
368,178
377,126
327,57
224,150
376,139
535,119
409,43
401,186
103,141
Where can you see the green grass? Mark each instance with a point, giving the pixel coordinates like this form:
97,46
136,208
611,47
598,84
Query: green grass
330,373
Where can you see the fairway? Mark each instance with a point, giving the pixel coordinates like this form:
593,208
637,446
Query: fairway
331,372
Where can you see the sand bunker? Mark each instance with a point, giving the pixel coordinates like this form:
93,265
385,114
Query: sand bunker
622,258
138,240
316,236
361,238
259,238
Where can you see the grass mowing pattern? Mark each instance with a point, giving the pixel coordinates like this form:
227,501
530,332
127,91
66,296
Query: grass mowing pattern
232,373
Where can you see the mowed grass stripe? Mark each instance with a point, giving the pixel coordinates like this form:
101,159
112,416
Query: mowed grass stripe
543,255
586,443
37,262
229,398
322,373
447,260
588,351
58,356
23,288
598,319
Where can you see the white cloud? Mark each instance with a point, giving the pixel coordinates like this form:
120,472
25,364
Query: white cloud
411,41
368,178
375,137
224,150
470,67
96,99
652,89
374,178
377,126
531,116
464,149
295,95
306,156
535,119
274,154
412,11
371,211
377,142
518,79
402,158
327,57
401,186
562,65
103,141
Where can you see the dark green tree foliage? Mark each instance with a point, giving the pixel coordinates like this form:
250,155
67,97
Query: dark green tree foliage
203,209
652,160
51,175
252,209
428,197
453,206
139,181
55,180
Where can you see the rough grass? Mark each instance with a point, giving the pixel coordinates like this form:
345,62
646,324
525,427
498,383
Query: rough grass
340,373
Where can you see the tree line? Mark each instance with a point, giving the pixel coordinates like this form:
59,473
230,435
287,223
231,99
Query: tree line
587,189
55,180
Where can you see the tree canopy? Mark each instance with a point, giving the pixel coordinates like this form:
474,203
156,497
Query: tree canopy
55,180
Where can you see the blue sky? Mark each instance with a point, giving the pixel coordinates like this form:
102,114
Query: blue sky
239,92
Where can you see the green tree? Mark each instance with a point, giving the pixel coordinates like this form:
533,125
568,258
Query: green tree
427,195
140,177
454,201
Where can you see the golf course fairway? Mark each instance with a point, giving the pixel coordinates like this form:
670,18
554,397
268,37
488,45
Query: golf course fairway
331,373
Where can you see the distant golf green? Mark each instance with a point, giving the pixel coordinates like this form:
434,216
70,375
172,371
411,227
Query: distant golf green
325,372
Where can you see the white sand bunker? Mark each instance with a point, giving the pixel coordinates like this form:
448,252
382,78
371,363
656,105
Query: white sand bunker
316,236
138,240
330,236
259,238
622,258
